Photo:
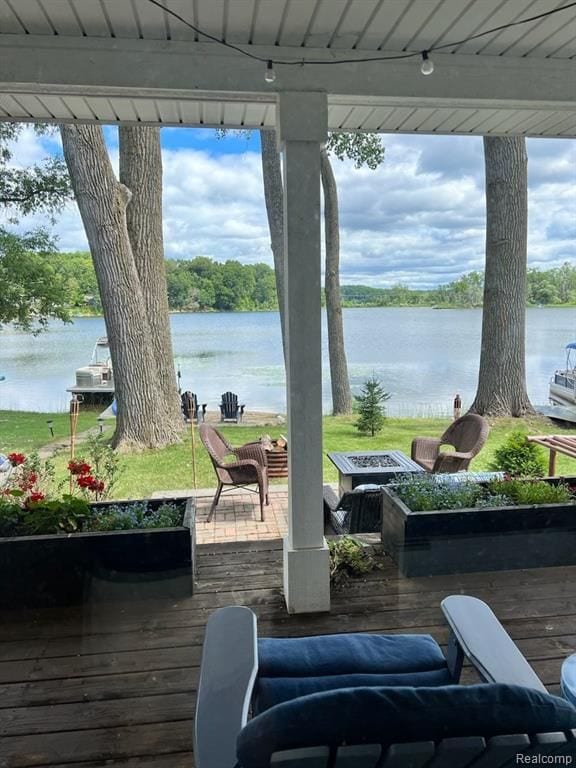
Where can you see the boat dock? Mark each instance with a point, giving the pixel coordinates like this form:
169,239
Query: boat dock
558,412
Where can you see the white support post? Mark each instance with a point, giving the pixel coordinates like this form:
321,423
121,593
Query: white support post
302,128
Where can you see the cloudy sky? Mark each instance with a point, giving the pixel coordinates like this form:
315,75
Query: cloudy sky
418,219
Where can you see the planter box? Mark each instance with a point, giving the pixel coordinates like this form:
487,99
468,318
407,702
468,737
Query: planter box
487,539
37,571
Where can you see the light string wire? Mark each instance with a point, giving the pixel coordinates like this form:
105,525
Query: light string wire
395,57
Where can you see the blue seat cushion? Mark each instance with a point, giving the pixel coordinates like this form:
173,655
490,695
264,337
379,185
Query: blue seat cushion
270,691
395,715
348,655
292,667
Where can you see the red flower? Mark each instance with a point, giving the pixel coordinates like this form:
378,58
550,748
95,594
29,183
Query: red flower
97,486
28,481
79,468
16,459
34,498
85,481
91,483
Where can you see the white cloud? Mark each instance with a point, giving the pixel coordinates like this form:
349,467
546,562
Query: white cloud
418,219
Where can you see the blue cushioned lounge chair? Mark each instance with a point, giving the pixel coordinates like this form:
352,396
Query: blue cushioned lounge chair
361,701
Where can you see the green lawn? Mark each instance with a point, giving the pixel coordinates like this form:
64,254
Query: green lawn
24,432
171,468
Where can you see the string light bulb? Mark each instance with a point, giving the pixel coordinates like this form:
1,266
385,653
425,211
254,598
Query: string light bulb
427,66
269,75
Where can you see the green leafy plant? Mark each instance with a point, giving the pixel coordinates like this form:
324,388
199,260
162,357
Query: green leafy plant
525,492
19,517
134,516
425,494
349,559
370,407
26,508
101,464
519,458
70,514
25,491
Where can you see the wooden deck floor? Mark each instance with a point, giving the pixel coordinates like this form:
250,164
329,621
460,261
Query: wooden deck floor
115,685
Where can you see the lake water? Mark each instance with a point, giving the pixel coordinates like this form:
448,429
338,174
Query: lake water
422,356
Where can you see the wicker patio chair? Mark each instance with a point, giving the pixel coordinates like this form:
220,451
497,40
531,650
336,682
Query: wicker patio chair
467,434
249,467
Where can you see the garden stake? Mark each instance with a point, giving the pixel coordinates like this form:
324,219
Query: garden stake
193,437
74,408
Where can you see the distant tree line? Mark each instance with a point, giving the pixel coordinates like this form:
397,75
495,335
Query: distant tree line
199,284
545,287
202,284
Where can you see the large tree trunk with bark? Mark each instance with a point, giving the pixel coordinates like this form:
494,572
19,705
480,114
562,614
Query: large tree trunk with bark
141,172
102,201
274,197
341,394
502,377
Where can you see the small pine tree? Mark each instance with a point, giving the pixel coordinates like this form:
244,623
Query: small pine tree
371,409
519,458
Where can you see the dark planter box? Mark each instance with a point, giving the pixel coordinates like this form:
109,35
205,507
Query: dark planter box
37,571
488,539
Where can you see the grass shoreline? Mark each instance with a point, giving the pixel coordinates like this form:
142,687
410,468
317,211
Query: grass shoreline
171,468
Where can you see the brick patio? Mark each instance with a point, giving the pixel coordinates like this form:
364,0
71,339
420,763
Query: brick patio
237,516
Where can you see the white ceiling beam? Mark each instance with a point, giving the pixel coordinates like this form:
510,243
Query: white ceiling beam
56,65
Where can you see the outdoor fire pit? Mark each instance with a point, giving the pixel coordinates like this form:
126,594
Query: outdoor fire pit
378,467
372,460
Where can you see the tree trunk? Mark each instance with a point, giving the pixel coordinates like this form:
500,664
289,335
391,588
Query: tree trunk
341,394
274,197
102,201
502,376
141,172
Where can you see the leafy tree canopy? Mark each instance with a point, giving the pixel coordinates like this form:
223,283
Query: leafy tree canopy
32,291
361,148
44,186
